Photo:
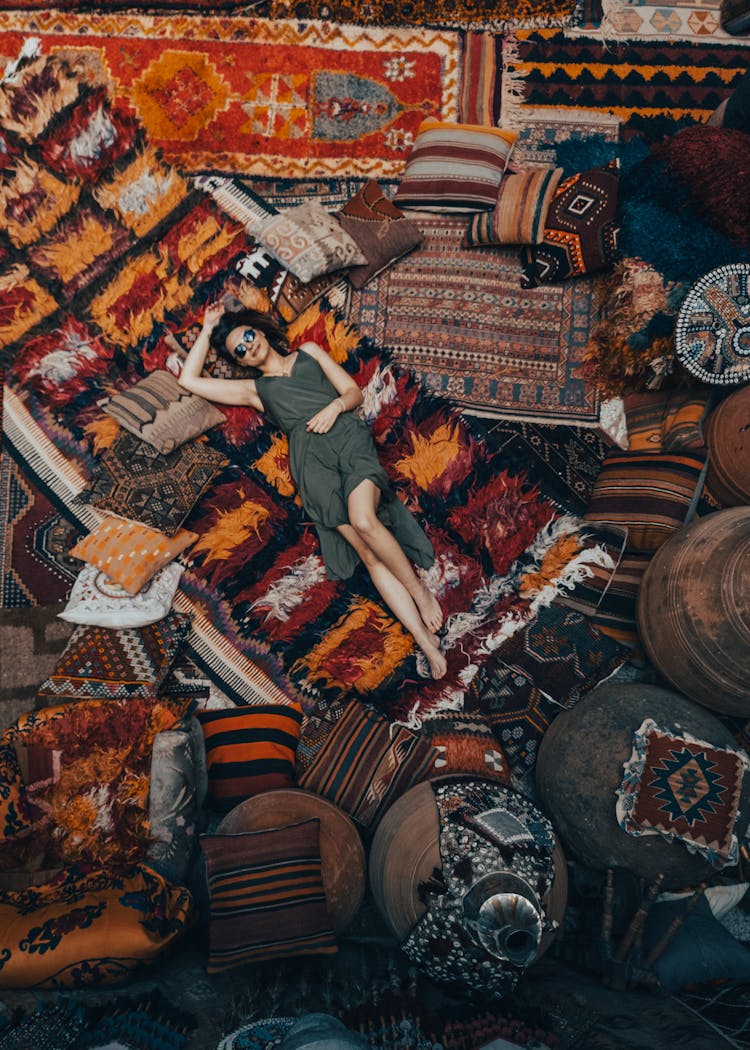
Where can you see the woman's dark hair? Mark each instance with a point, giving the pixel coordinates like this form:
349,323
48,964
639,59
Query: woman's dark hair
274,332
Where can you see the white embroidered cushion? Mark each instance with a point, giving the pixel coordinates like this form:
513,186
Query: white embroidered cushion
97,601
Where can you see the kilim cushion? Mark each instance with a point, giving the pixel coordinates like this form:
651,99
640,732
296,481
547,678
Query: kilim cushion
651,493
266,896
96,600
135,481
534,674
454,167
130,553
465,744
683,789
580,235
161,412
364,762
615,615
664,421
249,750
309,241
520,212
381,230
104,663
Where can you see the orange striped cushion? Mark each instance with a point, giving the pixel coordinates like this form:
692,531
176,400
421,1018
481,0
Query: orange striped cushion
651,493
454,167
249,750
520,212
130,553
266,896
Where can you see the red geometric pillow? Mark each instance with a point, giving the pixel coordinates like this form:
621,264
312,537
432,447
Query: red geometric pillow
683,789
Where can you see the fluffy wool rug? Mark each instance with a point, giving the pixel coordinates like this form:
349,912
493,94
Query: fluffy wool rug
94,298
464,14
258,96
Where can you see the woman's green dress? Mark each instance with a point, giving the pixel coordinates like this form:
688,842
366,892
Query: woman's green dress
328,467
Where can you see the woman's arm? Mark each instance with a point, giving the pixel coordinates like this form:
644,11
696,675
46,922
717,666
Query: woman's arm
223,391
349,394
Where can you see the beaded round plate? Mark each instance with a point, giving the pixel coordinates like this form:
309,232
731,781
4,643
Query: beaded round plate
712,336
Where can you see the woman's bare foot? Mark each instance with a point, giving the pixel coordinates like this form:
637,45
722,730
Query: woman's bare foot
429,609
436,660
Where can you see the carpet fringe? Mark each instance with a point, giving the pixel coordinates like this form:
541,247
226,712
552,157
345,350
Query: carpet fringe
511,85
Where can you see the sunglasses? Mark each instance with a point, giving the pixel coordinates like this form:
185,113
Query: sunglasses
245,342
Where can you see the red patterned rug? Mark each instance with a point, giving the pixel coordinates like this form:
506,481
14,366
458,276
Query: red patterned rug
262,97
111,255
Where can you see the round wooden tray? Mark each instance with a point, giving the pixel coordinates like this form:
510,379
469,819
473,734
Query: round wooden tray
341,852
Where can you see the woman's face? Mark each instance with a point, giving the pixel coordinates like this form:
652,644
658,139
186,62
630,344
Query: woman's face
247,345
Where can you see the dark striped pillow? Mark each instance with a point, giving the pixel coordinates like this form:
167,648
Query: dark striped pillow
249,750
362,762
266,896
651,493
454,167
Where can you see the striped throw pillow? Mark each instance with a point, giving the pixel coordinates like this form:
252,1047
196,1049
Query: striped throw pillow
520,211
454,167
266,896
362,762
651,493
249,750
161,412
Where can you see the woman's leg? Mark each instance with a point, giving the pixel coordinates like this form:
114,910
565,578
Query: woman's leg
363,504
399,601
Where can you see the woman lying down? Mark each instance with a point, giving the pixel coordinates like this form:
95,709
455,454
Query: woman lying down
344,489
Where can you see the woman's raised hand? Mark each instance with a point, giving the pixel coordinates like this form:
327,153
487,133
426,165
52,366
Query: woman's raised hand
212,315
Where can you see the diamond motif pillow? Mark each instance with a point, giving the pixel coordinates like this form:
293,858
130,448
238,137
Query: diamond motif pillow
380,229
465,744
454,167
161,412
685,790
363,763
309,241
98,601
266,896
580,235
135,481
520,212
101,663
130,553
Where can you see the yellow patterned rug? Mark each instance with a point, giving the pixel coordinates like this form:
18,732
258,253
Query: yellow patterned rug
262,97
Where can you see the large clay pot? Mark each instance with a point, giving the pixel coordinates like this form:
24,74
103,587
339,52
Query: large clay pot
342,855
501,909
728,439
580,767
694,611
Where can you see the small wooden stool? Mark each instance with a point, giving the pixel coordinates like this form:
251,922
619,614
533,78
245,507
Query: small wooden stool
341,852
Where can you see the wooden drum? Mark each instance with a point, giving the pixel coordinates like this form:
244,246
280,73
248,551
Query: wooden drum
694,611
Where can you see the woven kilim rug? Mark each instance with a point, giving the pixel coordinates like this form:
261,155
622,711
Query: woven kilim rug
263,97
459,319
463,14
627,21
653,86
